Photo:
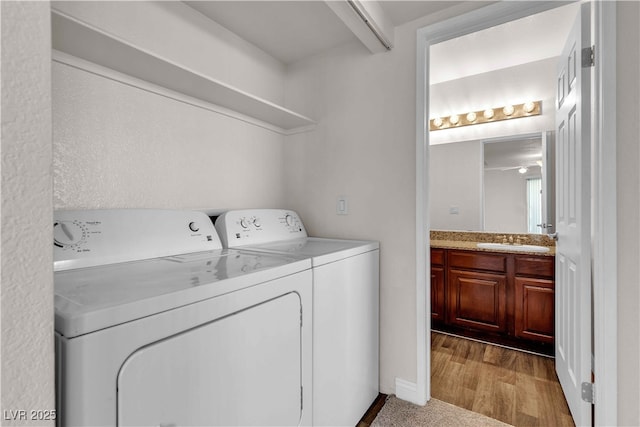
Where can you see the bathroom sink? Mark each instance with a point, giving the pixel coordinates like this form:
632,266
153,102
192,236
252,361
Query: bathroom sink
517,248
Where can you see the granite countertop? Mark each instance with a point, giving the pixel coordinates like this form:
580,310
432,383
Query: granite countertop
468,240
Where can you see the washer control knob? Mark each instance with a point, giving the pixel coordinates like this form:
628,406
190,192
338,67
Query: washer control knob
193,226
256,222
244,223
66,233
288,218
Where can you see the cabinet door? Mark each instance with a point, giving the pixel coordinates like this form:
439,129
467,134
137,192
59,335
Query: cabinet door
477,300
437,294
534,309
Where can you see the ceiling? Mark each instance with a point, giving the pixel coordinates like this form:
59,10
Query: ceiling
529,39
510,154
293,30
287,30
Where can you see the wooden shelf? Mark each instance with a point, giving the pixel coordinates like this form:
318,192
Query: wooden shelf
90,44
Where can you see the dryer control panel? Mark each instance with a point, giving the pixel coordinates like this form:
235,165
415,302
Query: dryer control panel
255,226
88,238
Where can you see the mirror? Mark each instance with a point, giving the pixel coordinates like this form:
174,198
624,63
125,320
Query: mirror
503,185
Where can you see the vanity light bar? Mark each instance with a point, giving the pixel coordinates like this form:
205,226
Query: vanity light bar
528,109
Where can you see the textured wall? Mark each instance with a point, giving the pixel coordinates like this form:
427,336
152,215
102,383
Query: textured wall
118,146
363,148
26,275
628,194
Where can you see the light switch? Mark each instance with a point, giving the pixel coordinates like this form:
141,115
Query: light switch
342,206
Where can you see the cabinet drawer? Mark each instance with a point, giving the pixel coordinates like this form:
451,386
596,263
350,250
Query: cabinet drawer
478,261
437,256
535,266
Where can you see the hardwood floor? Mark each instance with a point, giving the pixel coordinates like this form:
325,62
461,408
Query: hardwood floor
372,412
514,387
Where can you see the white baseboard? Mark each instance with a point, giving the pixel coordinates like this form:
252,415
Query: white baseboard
408,391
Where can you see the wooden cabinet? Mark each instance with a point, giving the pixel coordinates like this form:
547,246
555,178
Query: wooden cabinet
534,298
477,300
501,297
437,286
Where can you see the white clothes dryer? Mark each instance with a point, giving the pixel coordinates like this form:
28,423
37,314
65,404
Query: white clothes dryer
157,325
345,306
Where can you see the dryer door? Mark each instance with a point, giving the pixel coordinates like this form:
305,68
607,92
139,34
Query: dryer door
243,369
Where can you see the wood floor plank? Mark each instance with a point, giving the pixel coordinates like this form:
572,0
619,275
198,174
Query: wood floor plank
518,388
470,376
504,408
554,410
526,420
525,388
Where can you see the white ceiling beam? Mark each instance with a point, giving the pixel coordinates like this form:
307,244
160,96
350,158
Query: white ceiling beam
367,21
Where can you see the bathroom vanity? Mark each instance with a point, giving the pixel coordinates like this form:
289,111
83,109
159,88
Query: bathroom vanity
497,293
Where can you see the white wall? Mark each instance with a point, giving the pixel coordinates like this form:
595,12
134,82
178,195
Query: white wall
363,148
456,178
628,211
119,146
514,85
26,302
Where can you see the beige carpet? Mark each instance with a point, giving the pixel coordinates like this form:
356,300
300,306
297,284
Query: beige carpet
398,413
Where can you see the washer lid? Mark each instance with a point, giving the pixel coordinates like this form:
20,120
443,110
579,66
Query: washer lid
90,299
320,250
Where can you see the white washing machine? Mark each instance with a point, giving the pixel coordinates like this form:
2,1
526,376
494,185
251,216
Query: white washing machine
157,325
345,306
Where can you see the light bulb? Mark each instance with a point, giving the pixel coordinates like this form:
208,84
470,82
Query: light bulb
471,117
488,113
437,122
529,106
508,110
522,169
454,119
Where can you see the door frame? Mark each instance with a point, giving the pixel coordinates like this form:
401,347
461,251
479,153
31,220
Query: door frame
603,148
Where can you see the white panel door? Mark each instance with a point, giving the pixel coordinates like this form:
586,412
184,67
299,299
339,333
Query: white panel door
573,255
243,369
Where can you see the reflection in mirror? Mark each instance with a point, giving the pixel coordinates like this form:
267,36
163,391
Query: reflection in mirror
513,185
503,185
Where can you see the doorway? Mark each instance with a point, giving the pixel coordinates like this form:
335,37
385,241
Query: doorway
605,345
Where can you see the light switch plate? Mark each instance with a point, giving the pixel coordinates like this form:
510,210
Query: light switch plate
342,205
